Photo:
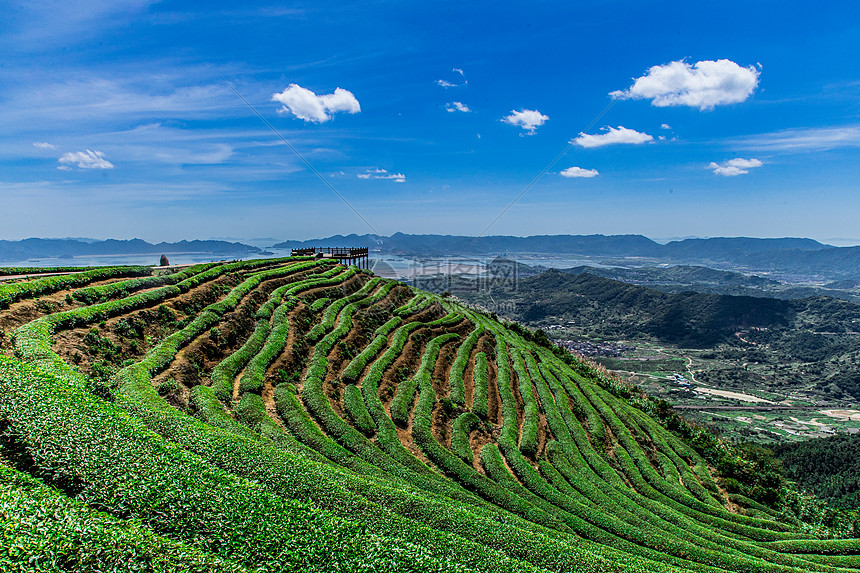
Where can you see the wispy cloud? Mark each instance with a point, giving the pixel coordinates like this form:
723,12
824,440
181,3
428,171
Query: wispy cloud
703,85
457,106
84,160
578,172
797,140
733,167
447,84
612,136
126,192
528,119
665,126
306,105
43,145
382,174
51,23
58,103
173,146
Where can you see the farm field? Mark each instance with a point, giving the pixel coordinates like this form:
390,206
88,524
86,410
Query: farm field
732,397
294,414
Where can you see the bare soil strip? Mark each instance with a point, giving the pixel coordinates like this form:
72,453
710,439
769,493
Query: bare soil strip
442,419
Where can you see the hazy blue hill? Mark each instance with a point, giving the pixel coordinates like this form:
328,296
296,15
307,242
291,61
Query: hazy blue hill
612,245
794,256
839,263
843,284
435,245
682,278
39,248
681,274
734,248
782,292
351,240
590,245
688,318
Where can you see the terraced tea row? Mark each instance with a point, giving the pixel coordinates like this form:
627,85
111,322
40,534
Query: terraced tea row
295,414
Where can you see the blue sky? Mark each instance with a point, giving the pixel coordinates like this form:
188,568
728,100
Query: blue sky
118,121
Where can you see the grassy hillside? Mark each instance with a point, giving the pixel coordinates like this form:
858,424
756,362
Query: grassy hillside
691,319
828,467
683,278
298,415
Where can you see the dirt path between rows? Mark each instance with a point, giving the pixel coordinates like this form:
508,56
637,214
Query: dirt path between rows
26,310
70,346
441,421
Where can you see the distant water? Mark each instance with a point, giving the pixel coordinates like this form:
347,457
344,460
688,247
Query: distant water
540,260
146,260
399,267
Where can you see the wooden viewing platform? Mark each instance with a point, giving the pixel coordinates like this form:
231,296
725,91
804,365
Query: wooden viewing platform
347,255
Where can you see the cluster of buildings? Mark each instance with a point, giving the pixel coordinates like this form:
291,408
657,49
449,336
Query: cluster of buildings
588,348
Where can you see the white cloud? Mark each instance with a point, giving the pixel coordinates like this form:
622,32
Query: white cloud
665,126
457,106
612,136
447,84
382,174
528,119
732,167
816,139
578,172
306,105
703,85
84,160
43,145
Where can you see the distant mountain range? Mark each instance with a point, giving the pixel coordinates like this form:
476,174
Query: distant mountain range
785,256
67,248
588,245
683,278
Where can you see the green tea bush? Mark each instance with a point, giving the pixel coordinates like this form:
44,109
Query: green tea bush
457,389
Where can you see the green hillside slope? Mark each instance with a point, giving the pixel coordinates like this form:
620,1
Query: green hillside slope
829,467
298,415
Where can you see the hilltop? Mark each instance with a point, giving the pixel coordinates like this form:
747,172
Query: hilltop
684,278
298,415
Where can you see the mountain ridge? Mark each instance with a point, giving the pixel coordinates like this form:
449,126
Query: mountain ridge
594,244
789,256
40,248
